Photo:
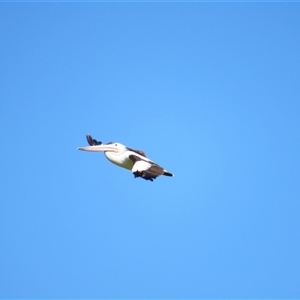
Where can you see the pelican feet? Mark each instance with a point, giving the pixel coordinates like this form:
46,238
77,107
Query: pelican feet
142,175
91,141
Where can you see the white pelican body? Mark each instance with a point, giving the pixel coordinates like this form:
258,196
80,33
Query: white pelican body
122,156
119,160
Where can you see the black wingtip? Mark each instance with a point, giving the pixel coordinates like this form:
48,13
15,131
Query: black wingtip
168,174
91,141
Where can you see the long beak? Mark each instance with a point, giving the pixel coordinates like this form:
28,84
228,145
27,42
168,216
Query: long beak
99,148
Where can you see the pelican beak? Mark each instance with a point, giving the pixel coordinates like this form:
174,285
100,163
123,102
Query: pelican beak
99,148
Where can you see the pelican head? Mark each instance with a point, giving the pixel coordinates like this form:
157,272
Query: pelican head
109,147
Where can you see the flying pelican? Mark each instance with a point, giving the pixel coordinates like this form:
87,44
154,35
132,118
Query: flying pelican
128,158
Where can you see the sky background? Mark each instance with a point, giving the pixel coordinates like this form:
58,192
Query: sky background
210,91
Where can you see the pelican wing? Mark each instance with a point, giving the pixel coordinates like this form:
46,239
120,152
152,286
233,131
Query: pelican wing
140,152
145,169
91,141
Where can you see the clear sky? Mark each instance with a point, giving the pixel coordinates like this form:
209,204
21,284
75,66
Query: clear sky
210,91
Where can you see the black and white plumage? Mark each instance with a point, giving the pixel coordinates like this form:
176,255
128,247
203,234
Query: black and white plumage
128,158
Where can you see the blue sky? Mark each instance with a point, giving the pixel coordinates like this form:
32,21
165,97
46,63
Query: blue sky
210,91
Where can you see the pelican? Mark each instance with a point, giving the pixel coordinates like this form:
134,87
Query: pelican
128,158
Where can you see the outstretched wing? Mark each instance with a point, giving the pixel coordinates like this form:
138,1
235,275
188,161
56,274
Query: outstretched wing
91,141
145,169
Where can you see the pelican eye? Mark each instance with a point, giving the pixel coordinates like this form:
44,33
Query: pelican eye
116,144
